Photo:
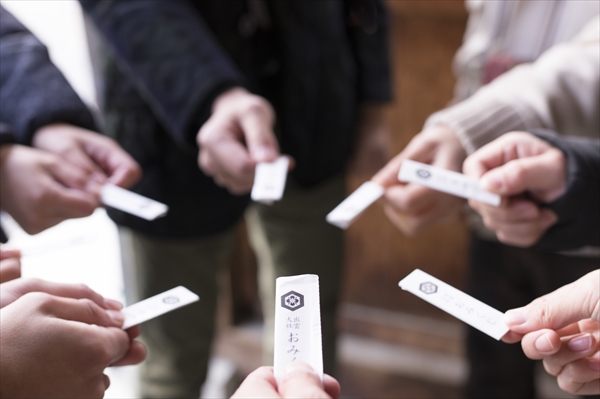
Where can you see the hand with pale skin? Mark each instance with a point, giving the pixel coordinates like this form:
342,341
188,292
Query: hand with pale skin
55,346
10,264
298,381
93,153
527,172
413,207
563,329
40,189
238,135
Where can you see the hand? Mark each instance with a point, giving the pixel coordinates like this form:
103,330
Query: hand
94,153
513,165
237,136
59,347
372,149
299,381
10,264
412,207
40,189
563,329
13,290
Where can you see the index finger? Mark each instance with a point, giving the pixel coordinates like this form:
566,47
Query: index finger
260,139
417,150
6,251
13,290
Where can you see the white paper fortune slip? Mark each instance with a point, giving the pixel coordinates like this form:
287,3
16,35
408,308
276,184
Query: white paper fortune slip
445,181
455,302
269,180
157,305
130,202
346,212
297,323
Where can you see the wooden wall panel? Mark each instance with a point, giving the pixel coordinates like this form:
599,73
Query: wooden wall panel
425,36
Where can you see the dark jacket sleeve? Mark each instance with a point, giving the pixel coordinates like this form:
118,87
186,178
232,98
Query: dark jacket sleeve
369,32
33,92
578,209
170,55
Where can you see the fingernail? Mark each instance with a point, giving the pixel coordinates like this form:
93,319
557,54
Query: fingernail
112,304
544,345
296,365
116,316
580,344
515,317
492,183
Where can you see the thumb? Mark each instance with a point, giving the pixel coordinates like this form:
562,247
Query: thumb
538,173
257,125
300,381
577,301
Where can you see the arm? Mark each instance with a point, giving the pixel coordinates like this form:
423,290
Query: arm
577,210
550,186
33,92
545,94
167,50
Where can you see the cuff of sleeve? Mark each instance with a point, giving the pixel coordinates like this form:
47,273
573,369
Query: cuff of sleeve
574,207
477,121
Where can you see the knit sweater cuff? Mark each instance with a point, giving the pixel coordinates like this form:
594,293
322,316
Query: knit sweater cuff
478,121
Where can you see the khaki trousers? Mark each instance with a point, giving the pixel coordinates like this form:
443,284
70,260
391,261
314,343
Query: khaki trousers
290,237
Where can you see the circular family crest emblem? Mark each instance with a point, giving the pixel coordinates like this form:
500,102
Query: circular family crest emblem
170,300
424,174
292,301
428,288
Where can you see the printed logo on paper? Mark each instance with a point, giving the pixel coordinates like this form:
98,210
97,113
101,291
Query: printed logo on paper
423,174
170,300
292,301
428,288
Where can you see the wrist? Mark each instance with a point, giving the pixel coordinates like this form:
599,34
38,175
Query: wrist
41,134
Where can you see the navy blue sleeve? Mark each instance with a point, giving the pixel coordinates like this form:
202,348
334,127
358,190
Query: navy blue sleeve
33,92
578,209
170,54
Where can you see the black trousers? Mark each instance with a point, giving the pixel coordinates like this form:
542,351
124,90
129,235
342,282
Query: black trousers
507,277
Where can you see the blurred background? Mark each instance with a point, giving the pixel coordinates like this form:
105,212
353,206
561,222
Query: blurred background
392,344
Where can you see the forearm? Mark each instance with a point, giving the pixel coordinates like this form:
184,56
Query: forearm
169,53
557,92
33,92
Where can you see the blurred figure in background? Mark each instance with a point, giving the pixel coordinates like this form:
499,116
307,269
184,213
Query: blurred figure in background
492,98
200,92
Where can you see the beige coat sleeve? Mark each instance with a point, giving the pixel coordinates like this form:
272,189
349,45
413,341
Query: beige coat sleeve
559,91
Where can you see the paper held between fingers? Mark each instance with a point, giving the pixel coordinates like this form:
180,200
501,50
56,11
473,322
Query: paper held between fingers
157,305
455,302
133,203
297,334
348,210
446,181
269,180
